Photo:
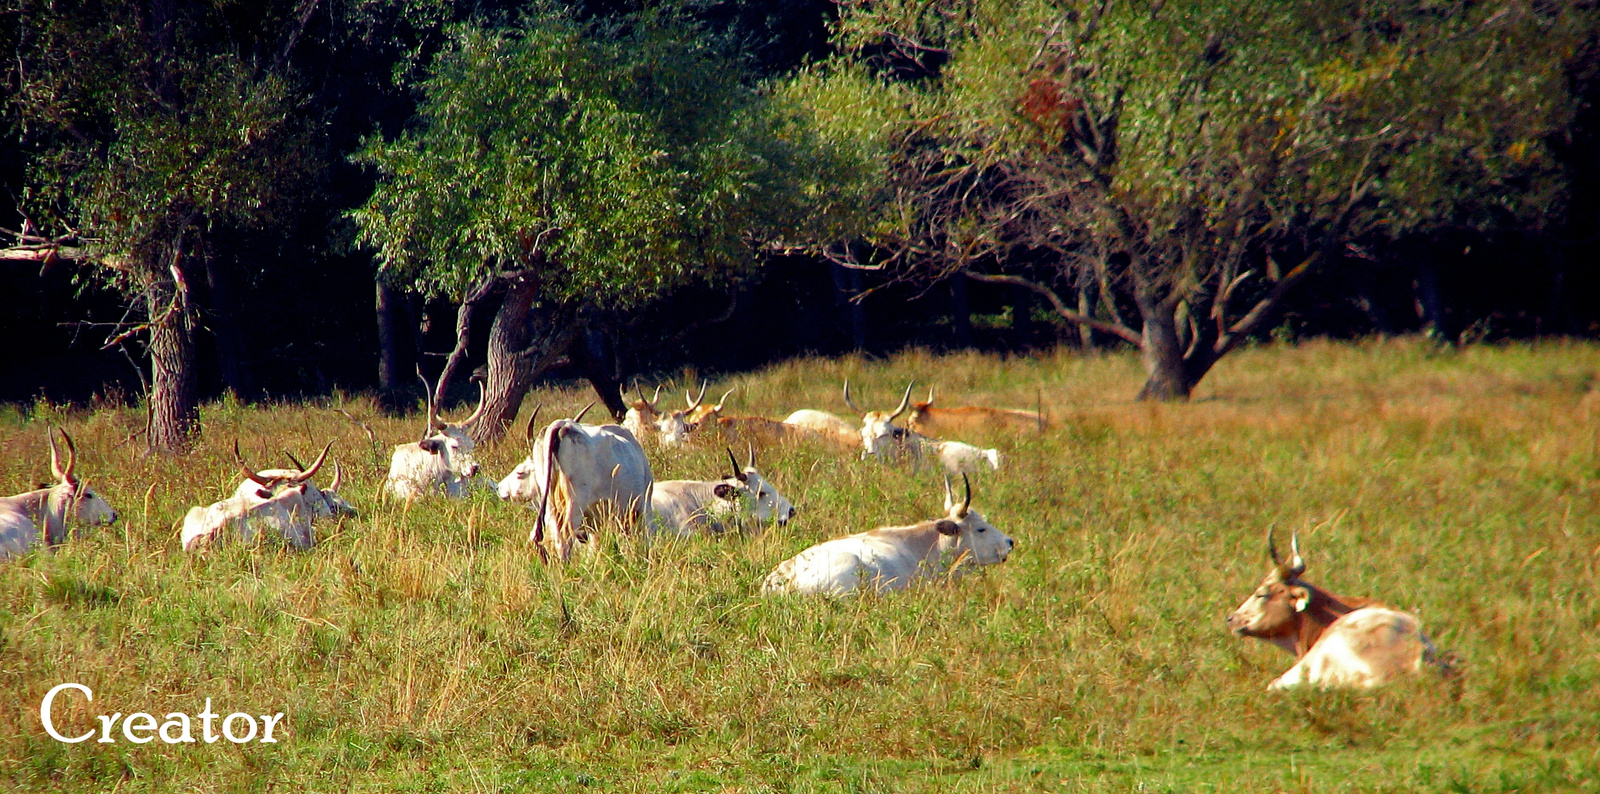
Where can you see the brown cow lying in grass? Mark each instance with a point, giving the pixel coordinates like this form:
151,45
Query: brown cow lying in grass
1337,641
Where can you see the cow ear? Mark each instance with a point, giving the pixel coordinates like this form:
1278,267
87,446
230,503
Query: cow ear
726,491
1301,597
947,527
263,493
430,445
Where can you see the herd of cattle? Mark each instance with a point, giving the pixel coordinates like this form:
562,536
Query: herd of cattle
575,472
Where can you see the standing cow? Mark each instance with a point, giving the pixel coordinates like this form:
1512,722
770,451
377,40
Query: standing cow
441,461
1337,641
892,558
684,507
52,509
573,467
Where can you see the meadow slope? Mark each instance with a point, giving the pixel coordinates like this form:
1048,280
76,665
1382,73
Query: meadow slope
422,647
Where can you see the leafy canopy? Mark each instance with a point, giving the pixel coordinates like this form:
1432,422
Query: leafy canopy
615,159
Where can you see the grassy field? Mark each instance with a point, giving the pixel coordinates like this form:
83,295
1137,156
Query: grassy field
422,647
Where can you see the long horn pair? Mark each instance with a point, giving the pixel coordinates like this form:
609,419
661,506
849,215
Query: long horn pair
850,402
1295,566
905,402
650,403
695,402
64,475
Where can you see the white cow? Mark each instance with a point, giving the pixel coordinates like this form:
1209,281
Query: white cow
959,458
826,426
285,513
280,506
574,467
68,501
441,461
881,436
684,507
892,558
326,501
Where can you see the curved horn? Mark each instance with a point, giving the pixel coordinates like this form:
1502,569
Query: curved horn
752,447
533,422
966,504
483,402
579,417
695,403
725,398
654,398
1272,548
294,460
850,402
55,455
338,478
949,494
640,391
905,401
930,395
738,473
427,397
1297,564
306,474
249,474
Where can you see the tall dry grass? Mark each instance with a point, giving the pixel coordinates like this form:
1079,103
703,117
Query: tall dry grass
424,647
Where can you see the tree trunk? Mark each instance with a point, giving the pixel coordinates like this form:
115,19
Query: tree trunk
1086,301
1167,374
961,313
391,369
518,353
174,401
1430,301
591,354
224,323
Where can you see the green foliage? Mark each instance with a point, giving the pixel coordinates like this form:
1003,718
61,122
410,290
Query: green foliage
142,135
616,159
1194,133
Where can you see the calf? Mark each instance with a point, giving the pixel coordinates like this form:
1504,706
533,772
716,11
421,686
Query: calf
1337,641
574,467
69,501
687,506
441,461
932,421
959,458
892,558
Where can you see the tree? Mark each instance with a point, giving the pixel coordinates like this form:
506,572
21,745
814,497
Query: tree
149,124
1163,158
559,167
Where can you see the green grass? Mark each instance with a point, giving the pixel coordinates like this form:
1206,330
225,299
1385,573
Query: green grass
423,647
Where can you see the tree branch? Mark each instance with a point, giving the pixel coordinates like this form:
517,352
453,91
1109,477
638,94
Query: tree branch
1121,331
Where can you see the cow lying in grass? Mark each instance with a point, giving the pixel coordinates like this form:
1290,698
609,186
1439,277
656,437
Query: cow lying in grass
22,517
1337,641
892,558
684,507
279,507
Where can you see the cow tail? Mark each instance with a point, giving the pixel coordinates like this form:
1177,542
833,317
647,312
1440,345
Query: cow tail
544,498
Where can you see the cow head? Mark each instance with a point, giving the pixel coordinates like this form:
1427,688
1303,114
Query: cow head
449,441
919,411
1273,611
707,413
670,427
970,533
332,504
878,430
71,499
760,498
519,486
